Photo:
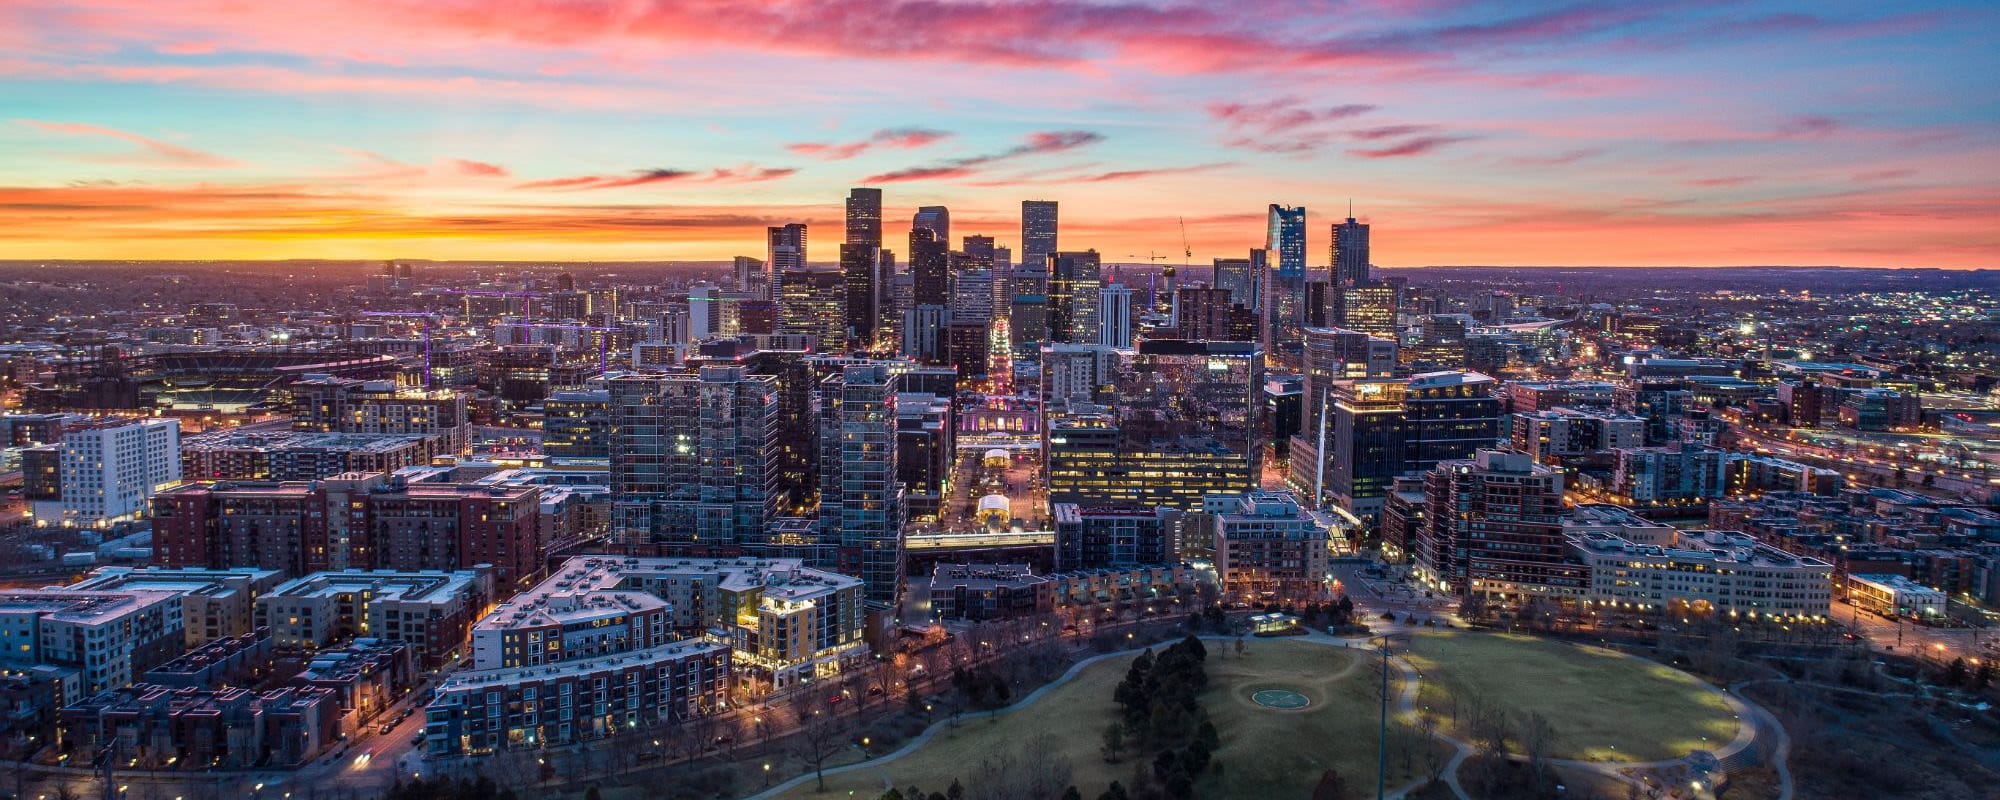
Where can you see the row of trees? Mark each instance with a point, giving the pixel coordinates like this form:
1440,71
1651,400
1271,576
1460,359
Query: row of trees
1162,717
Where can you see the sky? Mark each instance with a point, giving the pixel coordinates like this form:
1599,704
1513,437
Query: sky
1508,133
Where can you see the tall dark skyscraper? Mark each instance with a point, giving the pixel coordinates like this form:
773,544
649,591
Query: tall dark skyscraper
859,275
1038,233
930,266
938,220
864,217
1350,253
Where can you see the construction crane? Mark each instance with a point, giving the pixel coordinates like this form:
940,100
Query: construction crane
429,318
603,342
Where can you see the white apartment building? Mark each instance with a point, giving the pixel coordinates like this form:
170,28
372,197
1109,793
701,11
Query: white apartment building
1715,572
111,470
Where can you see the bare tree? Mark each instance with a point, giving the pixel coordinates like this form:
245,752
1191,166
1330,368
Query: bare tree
1435,757
818,739
1538,737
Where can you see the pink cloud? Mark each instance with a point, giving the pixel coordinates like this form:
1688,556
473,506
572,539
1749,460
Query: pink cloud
1731,180
479,169
748,173
1409,147
1037,143
890,138
154,151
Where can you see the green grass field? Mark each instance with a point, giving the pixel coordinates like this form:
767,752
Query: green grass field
1265,752
1602,705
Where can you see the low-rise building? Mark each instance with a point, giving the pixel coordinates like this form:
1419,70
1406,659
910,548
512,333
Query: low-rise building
429,610
109,637
1267,547
365,677
786,622
197,728
1093,537
1703,572
1672,474
229,661
981,592
480,711
1895,596
215,603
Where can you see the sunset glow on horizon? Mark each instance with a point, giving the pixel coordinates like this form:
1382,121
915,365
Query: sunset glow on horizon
1851,134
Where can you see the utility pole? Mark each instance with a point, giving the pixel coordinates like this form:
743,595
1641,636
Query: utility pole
108,762
1382,736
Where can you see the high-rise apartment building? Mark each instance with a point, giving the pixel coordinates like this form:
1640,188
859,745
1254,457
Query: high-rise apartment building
1493,525
110,470
860,496
343,405
694,465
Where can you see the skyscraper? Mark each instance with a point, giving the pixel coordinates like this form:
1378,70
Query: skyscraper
1380,429
938,220
859,274
1073,293
787,246
1114,315
1038,233
980,250
1369,307
864,217
1286,241
814,303
751,276
1349,256
693,459
860,495
930,266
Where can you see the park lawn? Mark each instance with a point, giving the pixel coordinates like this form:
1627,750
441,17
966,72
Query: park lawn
1265,753
1603,706
1068,720
1281,754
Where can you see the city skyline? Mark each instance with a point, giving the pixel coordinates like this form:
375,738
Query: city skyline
1598,134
